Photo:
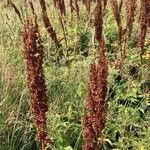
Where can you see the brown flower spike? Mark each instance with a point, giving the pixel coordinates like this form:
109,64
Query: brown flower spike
130,10
145,6
130,17
94,120
116,9
33,56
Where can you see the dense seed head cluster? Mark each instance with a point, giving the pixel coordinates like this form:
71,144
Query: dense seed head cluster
33,56
98,20
95,118
148,13
130,9
143,24
116,8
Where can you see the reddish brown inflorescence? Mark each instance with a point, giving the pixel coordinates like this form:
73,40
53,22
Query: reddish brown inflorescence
98,23
33,56
148,13
130,9
130,15
116,8
143,24
95,118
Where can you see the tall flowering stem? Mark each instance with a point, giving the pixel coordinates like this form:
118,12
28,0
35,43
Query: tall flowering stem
48,25
130,10
130,16
60,4
116,8
33,56
145,6
148,13
98,22
94,120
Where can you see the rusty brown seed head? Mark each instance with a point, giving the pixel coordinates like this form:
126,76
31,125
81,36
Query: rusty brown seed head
33,55
96,109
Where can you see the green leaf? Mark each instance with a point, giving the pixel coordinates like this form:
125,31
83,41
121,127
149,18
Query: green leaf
108,141
68,148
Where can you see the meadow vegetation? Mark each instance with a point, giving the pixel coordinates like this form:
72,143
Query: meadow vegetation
69,47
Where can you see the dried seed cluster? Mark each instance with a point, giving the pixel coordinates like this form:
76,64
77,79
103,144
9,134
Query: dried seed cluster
33,56
95,118
145,6
130,9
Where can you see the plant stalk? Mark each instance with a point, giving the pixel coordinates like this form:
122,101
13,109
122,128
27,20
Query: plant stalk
43,146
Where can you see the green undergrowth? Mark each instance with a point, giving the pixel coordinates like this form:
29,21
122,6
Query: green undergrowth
128,116
128,108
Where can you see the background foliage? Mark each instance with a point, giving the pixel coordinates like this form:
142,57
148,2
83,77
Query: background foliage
128,120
